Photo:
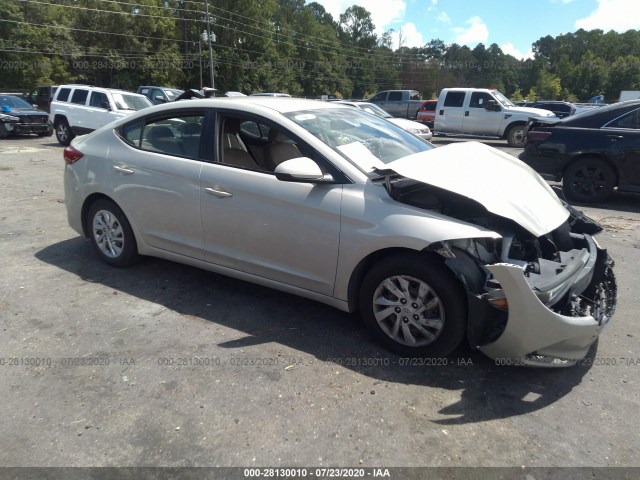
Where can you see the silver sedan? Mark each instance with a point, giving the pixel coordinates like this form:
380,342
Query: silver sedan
431,245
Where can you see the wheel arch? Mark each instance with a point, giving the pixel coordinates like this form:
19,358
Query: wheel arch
597,156
58,118
86,206
365,265
510,126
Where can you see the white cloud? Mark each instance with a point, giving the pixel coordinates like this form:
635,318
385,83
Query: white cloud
615,15
384,13
411,37
433,5
443,18
476,32
509,49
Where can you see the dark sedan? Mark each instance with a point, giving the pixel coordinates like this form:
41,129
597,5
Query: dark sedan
17,117
592,153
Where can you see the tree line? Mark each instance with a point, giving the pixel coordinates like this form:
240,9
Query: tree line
286,46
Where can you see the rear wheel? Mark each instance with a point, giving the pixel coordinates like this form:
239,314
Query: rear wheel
414,306
588,180
515,136
4,133
63,132
111,234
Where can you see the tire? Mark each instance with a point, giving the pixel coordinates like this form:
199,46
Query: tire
588,180
414,306
63,132
4,133
515,135
111,234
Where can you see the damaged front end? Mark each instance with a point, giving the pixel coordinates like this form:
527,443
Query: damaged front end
533,300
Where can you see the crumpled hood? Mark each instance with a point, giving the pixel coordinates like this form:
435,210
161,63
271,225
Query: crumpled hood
500,182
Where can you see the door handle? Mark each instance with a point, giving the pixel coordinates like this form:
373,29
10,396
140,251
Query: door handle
466,114
615,137
218,192
123,170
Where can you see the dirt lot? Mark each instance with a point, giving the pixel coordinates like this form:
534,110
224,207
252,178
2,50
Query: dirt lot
165,365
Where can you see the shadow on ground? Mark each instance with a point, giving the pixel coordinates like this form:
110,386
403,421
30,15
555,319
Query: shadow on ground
488,391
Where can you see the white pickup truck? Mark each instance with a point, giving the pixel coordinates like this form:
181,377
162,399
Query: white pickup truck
482,112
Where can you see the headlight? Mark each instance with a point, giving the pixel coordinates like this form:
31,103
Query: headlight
8,118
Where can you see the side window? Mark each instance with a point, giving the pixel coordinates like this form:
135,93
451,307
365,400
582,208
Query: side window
252,145
414,96
395,96
381,97
63,94
454,99
99,100
131,133
79,96
178,135
479,99
630,120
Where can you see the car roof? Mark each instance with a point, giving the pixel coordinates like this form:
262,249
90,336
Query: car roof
278,104
596,117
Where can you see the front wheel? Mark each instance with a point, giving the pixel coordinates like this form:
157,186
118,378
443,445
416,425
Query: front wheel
111,234
414,306
63,132
588,180
4,133
515,136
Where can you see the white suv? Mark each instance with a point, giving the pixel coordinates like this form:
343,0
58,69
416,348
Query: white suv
79,109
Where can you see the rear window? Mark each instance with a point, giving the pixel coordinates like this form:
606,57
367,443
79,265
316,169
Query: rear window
63,94
454,99
79,96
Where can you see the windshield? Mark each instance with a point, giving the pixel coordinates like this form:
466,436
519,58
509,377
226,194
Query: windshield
367,141
503,100
172,94
14,102
130,102
374,109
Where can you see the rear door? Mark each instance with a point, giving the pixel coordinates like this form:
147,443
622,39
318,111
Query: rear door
156,174
450,115
622,137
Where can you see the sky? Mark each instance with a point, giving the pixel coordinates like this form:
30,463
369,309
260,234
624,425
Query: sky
513,25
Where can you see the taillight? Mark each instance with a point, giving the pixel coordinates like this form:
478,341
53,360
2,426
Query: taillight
72,155
536,136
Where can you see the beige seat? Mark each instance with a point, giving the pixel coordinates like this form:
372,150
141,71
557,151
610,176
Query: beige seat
234,152
279,149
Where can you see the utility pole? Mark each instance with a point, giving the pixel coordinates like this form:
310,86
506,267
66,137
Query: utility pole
209,35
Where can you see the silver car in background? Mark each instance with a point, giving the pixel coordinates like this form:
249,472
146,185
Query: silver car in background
431,245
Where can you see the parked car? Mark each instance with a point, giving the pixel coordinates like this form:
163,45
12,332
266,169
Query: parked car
399,103
431,245
416,128
19,117
427,113
159,95
483,112
80,109
559,109
42,96
591,153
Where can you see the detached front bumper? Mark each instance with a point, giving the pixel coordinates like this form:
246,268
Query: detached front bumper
557,333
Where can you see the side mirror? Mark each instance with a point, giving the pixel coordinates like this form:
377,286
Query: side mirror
106,105
160,99
301,169
492,106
